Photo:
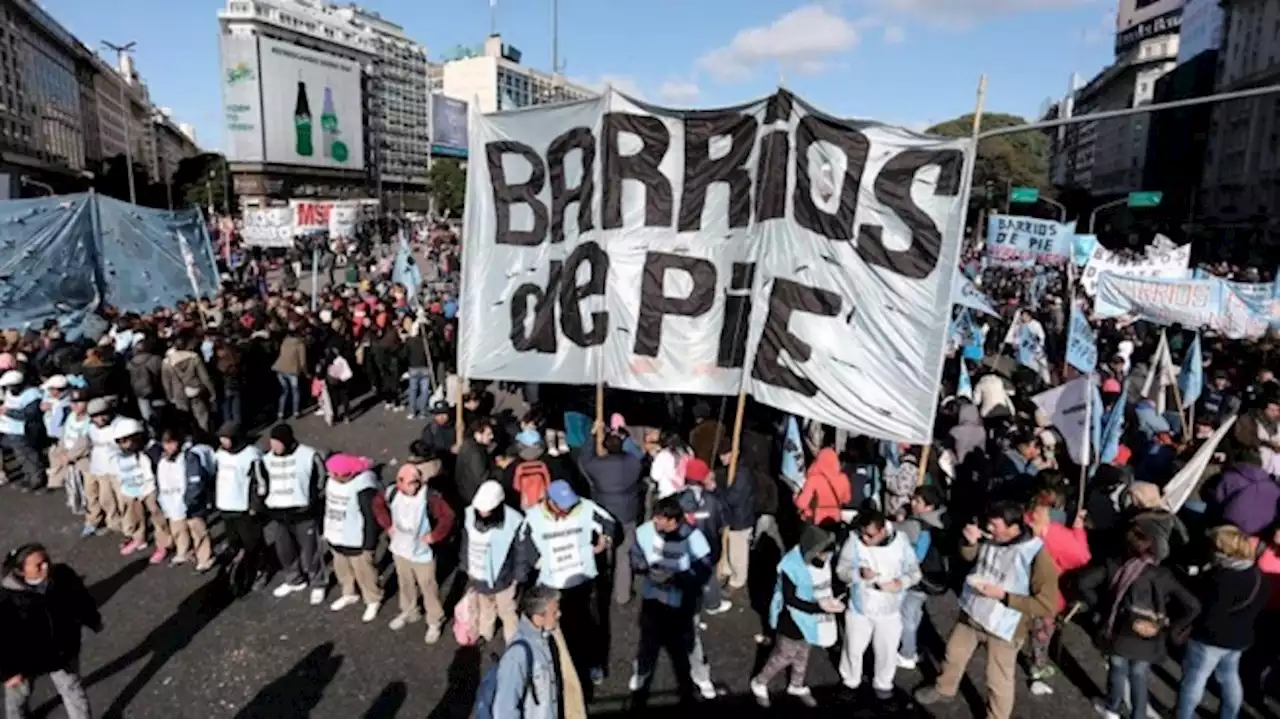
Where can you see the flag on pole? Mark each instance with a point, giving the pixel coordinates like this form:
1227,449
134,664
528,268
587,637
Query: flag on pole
964,387
792,455
1160,374
1082,343
1178,490
405,271
1109,445
1191,378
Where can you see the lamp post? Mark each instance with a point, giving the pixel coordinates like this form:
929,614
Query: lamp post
1093,216
126,108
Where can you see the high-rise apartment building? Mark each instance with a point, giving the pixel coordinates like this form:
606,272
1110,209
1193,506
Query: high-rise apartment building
493,77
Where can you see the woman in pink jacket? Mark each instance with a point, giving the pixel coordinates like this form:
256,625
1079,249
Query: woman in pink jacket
1069,548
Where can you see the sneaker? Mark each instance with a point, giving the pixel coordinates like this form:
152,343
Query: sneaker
132,546
205,567
87,531
707,689
343,602
1040,674
724,606
908,664
178,560
433,634
288,588
259,582
370,613
317,597
1100,707
402,620
157,557
802,695
761,693
930,695
884,695
1040,689
637,683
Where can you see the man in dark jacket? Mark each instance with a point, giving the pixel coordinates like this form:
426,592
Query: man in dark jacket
144,377
43,608
474,464
439,432
616,485
740,512
704,508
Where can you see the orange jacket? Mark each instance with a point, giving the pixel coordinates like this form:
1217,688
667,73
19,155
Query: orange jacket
826,489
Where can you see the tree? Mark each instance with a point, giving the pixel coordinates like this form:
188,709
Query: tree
113,180
203,180
1019,159
448,185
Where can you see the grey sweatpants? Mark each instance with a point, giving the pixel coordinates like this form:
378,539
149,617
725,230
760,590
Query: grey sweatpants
75,702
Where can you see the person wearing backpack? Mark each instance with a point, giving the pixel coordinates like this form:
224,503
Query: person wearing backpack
1131,594
417,518
530,477
532,680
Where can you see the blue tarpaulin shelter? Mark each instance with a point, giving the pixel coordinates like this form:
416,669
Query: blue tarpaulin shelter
64,257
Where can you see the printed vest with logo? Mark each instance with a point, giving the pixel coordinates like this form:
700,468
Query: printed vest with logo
172,479
103,449
343,519
812,584
889,561
11,422
674,555
410,525
137,475
289,478
233,479
74,429
487,550
55,418
567,558
1008,566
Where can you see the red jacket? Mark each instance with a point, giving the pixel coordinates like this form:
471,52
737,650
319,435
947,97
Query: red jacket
1069,549
826,489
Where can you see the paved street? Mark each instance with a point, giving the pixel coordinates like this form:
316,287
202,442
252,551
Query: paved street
173,647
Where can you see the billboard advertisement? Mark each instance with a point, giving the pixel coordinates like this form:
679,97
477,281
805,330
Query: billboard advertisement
448,126
312,111
241,98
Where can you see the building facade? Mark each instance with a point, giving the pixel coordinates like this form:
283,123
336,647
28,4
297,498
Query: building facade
1201,28
1241,185
124,116
493,77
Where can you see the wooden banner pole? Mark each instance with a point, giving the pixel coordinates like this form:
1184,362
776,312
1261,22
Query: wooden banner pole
458,429
599,438
737,437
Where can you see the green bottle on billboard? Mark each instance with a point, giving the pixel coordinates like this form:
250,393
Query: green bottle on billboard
334,148
302,122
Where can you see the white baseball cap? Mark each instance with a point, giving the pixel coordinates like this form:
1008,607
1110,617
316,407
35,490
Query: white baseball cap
127,428
488,496
56,382
12,378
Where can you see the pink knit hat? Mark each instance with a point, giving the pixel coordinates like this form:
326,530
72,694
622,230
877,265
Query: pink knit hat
7,362
347,465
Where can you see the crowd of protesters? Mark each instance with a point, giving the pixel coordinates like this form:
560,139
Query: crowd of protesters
550,515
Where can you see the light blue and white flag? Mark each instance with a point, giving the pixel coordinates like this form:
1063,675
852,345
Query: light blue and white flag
968,295
1031,351
964,387
792,454
1112,428
405,270
1191,377
1082,343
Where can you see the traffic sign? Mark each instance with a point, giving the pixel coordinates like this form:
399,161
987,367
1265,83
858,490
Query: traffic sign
1145,199
1024,195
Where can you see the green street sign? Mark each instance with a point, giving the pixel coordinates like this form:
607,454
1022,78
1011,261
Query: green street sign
1024,195
1145,199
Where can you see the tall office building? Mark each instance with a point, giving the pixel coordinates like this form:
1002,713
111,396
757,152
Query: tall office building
493,76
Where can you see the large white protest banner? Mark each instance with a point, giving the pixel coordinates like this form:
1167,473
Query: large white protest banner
1015,241
665,251
267,227
1156,264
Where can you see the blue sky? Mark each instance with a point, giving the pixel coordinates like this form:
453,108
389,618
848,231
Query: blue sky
908,62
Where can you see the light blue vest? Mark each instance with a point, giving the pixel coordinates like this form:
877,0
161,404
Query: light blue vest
343,520
55,418
566,555
410,524
673,555
487,550
10,422
794,568
234,478
137,476
1008,566
74,428
289,478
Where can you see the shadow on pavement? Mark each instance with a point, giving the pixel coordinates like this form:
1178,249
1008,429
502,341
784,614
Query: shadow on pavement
104,589
664,704
298,692
463,680
388,702
163,643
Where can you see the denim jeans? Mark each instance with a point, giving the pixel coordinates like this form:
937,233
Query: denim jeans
1134,674
1201,661
912,614
419,390
231,411
288,394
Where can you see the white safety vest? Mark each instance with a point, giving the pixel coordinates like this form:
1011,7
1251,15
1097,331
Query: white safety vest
74,429
104,451
289,478
233,478
343,520
171,475
410,525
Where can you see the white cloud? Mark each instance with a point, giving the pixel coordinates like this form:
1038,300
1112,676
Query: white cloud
678,92
802,41
894,34
1103,31
621,83
966,12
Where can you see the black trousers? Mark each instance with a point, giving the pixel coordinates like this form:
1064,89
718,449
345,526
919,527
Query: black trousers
580,623
663,627
296,540
244,534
